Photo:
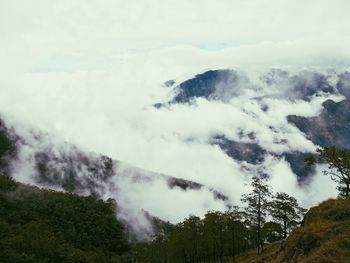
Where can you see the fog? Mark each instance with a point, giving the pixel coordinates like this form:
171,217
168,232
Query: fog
90,73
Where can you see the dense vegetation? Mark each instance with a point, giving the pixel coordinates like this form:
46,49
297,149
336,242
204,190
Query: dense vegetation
7,148
39,225
221,236
45,226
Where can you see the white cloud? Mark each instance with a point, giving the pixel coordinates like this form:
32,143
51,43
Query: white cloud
91,71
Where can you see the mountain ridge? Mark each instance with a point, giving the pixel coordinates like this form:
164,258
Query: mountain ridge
329,127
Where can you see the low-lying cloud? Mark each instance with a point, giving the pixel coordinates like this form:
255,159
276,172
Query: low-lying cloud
91,73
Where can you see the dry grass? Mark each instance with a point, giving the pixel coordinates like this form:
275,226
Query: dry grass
324,237
270,252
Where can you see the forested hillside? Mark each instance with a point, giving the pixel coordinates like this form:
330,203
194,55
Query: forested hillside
38,226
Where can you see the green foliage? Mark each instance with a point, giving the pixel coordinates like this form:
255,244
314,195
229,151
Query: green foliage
45,226
220,236
272,232
216,237
286,211
338,161
7,148
7,183
339,167
257,209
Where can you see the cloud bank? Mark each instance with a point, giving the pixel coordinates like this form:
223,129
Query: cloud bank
90,73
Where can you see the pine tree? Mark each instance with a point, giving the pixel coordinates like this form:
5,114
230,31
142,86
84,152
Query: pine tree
338,167
286,211
234,231
257,201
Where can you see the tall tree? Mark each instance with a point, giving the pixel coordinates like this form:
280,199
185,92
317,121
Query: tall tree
338,167
213,235
234,231
191,229
272,232
257,206
286,211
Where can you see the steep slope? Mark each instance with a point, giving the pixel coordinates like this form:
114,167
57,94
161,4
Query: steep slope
62,165
323,237
330,128
38,225
212,84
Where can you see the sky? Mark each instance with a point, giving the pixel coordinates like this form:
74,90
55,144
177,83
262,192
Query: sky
90,71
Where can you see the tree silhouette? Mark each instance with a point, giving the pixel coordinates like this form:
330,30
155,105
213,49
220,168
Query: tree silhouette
286,211
338,166
257,209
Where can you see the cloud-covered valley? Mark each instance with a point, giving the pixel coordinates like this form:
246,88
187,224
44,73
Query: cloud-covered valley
90,75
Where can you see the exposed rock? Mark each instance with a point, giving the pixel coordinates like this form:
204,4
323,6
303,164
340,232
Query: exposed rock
330,128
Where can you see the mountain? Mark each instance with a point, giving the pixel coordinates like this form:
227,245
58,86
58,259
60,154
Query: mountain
211,85
39,159
331,126
225,84
259,134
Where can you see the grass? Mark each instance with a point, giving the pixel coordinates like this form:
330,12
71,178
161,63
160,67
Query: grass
323,237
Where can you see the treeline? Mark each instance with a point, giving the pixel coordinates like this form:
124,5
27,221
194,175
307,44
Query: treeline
38,225
42,226
197,240
221,235
266,218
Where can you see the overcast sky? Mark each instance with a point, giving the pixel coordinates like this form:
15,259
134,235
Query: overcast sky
90,71
66,35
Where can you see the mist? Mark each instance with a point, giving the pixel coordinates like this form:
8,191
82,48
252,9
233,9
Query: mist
90,73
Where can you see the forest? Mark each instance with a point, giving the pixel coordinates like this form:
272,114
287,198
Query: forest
221,236
40,226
